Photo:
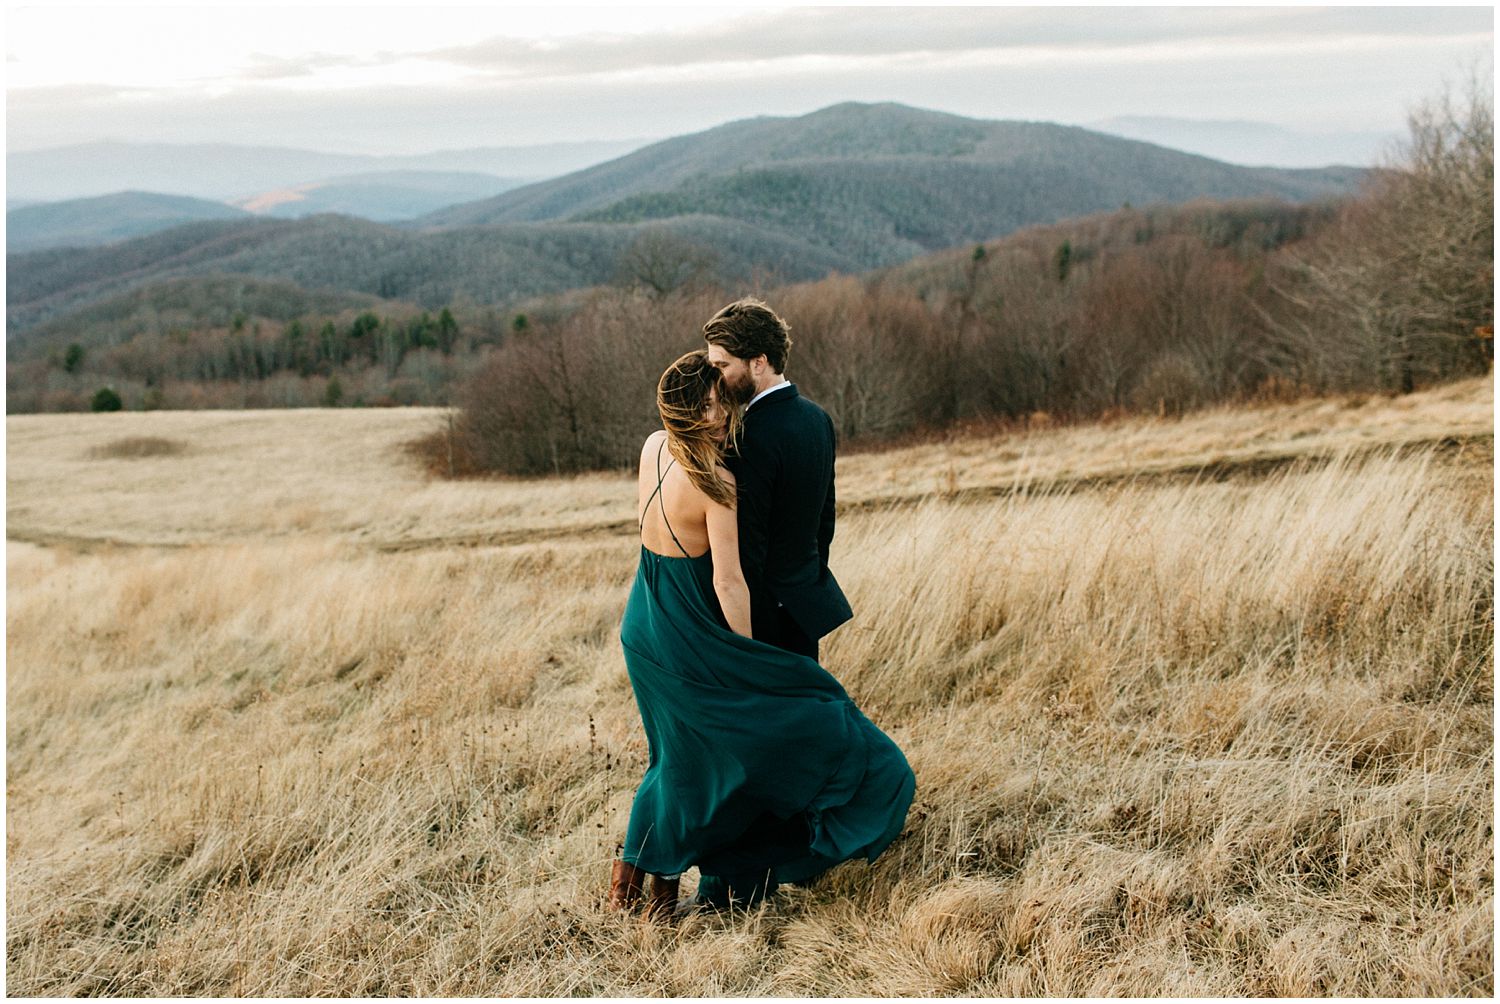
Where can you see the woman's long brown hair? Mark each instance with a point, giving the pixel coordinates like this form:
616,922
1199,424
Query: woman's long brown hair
681,396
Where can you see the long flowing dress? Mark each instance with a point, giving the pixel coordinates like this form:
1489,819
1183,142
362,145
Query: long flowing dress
759,763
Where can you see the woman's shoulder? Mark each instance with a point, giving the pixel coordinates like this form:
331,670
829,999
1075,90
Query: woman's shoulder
725,475
654,442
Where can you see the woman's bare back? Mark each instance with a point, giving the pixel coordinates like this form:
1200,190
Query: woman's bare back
685,506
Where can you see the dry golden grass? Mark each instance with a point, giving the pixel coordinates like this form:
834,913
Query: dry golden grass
252,476
1171,737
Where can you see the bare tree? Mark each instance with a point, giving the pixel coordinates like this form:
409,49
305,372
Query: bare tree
663,263
1398,290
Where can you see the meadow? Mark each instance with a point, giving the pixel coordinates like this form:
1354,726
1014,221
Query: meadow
1197,706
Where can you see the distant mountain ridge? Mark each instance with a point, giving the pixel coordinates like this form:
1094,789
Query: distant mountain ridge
222,171
380,196
106,219
848,188
1103,170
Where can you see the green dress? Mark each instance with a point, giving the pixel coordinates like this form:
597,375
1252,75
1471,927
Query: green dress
759,763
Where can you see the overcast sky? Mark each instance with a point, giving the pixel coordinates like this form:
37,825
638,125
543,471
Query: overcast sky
386,80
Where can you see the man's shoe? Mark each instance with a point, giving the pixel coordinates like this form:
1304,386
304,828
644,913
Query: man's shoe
625,881
713,893
718,892
662,905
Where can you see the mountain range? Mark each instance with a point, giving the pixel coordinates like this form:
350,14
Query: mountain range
848,188
224,172
382,196
107,219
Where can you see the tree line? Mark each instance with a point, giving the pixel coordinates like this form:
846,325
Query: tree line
1160,309
1157,310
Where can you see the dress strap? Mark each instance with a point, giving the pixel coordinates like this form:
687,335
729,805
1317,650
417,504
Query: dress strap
661,502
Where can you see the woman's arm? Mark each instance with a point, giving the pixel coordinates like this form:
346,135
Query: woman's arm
729,580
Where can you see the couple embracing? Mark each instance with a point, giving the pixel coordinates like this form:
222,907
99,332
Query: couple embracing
761,770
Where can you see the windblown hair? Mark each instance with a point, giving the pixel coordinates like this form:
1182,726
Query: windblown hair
748,328
681,396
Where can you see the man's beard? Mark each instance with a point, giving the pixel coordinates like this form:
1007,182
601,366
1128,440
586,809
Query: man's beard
740,394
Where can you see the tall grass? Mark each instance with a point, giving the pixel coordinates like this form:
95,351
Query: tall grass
1185,739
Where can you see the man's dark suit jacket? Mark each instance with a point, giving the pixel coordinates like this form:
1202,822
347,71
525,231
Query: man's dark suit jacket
784,470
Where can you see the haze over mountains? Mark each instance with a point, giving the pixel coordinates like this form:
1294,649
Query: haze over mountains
1252,144
106,219
226,172
848,188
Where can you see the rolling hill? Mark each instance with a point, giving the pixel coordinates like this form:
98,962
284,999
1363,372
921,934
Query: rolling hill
231,171
106,219
382,196
848,188
887,148
340,254
187,303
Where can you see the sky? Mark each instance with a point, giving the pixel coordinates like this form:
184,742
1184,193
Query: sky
355,78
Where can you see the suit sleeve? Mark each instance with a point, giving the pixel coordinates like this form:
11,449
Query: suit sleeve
825,523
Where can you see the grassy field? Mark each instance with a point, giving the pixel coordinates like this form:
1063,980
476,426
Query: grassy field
1196,706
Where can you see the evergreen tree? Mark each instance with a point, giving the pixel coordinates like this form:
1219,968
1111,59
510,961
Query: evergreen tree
447,332
1063,260
105,399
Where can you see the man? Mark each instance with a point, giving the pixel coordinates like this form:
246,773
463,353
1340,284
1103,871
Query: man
784,468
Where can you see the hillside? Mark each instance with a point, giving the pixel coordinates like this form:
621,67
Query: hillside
381,196
484,264
225,171
1039,172
847,189
106,219
187,304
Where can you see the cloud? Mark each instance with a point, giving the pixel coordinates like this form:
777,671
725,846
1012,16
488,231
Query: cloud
1334,68
893,31
262,67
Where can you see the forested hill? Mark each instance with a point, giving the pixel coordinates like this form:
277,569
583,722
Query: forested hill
50,293
747,167
846,189
105,218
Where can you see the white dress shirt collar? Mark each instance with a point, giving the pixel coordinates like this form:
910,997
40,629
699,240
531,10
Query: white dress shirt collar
768,390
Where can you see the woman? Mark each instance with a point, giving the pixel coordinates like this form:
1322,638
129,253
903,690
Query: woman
759,763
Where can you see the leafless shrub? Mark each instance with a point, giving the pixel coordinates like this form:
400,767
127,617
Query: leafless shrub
1401,290
571,394
662,263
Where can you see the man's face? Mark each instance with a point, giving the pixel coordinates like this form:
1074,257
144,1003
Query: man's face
738,379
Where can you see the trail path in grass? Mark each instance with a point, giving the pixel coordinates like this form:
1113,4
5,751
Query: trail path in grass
248,477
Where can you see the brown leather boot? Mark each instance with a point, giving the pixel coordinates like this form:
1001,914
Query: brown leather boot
662,905
625,881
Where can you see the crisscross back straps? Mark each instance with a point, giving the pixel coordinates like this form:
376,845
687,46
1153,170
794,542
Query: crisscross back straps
656,493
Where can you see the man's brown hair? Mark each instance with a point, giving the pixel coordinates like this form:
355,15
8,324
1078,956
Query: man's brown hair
748,328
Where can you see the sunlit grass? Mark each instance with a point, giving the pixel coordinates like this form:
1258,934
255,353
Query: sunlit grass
1170,737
